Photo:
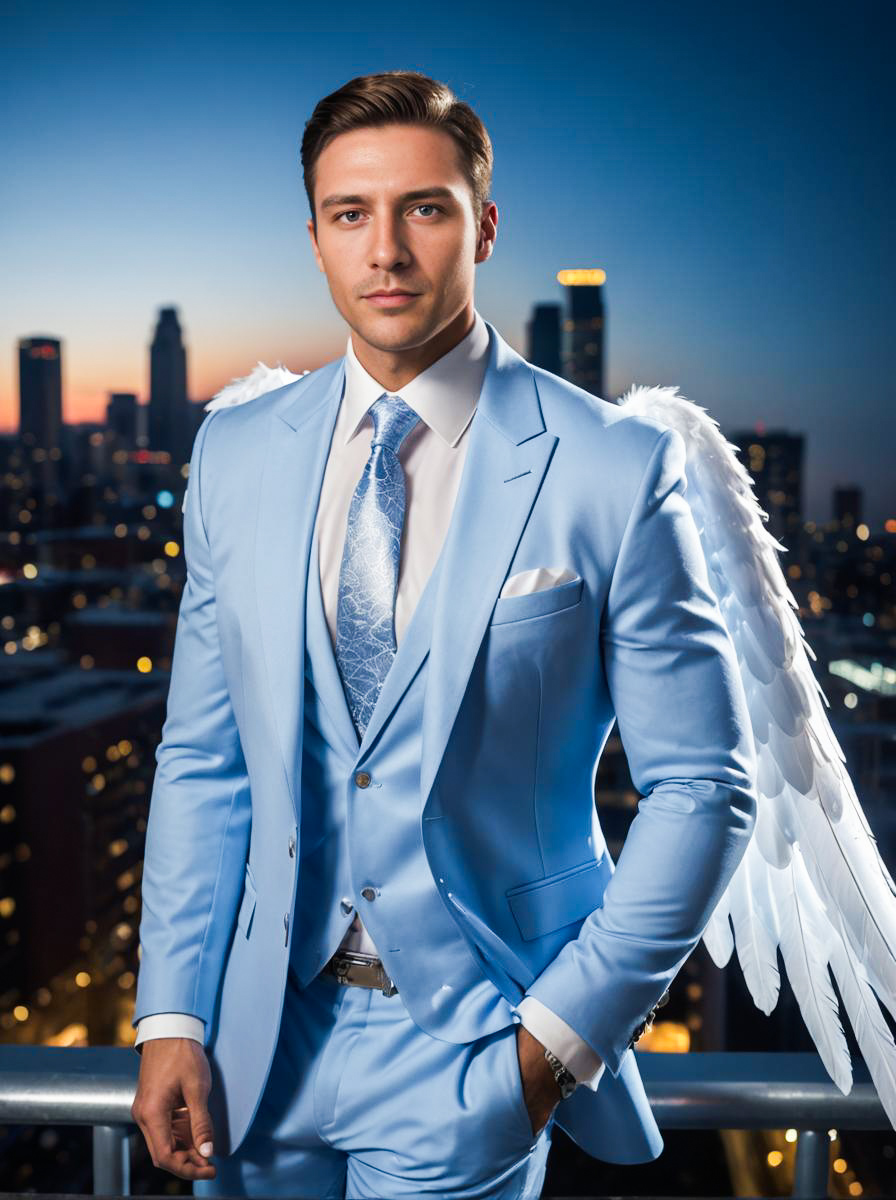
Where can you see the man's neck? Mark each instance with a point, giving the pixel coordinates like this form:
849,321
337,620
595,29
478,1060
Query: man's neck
395,369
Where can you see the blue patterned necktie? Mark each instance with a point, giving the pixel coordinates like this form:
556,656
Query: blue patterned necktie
365,615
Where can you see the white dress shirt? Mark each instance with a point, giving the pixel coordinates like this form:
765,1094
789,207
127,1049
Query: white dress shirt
445,396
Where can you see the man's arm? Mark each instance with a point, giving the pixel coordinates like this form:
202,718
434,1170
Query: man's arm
676,688
200,809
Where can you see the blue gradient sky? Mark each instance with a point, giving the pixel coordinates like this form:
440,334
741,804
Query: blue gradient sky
729,171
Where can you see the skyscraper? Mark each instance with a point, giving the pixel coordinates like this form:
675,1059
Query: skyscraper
167,424
848,506
775,461
544,333
40,392
121,417
584,326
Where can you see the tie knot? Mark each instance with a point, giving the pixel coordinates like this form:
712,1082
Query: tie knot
393,420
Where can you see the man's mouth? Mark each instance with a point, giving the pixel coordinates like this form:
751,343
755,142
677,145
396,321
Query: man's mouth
393,299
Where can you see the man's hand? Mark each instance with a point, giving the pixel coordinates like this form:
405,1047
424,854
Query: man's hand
170,1106
541,1090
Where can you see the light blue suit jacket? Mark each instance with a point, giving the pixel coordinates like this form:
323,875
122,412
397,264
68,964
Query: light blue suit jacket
522,695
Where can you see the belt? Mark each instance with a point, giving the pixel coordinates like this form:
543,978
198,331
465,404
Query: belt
360,970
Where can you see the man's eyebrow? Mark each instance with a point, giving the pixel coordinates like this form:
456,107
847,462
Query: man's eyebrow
419,194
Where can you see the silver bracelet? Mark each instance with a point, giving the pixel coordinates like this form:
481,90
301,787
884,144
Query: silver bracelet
566,1081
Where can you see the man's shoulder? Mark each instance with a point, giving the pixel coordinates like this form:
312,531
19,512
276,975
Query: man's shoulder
592,424
253,396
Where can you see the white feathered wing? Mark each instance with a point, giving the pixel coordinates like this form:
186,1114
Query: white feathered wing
812,882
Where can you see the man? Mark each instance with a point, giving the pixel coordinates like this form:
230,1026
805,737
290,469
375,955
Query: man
383,945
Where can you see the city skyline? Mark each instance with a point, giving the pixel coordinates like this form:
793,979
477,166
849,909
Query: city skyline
730,184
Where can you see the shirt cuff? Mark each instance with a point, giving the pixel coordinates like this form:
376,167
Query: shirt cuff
169,1025
555,1035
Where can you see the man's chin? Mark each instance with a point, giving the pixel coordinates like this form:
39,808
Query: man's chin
393,331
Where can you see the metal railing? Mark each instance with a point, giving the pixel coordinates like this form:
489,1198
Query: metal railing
48,1085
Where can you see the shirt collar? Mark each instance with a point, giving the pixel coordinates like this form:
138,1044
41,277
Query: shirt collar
444,396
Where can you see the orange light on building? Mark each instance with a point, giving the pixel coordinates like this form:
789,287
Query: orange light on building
582,277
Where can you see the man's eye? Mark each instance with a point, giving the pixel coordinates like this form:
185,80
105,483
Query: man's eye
349,212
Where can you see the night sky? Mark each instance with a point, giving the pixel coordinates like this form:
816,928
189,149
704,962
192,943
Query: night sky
729,167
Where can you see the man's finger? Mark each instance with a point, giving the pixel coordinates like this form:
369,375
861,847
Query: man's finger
200,1122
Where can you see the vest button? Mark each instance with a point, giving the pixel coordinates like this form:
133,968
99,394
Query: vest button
346,906
362,779
292,846
368,893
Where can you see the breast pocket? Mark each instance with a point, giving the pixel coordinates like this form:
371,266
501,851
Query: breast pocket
247,905
538,604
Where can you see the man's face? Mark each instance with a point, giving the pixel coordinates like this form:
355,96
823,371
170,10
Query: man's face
373,236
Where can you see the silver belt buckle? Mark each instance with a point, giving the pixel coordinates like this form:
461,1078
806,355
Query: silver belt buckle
362,970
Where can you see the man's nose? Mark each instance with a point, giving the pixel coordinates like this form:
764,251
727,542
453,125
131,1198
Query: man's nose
388,249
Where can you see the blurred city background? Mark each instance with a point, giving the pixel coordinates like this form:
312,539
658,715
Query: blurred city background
685,197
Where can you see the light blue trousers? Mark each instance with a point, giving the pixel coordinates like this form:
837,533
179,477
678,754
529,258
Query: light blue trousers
360,1102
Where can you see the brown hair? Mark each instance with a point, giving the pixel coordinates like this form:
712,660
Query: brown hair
400,97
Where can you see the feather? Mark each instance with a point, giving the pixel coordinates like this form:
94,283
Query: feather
260,379
811,882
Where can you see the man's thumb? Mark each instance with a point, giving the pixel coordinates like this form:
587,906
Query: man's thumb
201,1128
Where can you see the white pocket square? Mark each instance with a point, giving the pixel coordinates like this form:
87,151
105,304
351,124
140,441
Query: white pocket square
538,579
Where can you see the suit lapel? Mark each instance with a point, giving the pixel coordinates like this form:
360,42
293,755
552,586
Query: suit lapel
507,457
300,433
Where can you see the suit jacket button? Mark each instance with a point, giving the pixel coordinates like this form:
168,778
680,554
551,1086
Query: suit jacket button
346,905
362,779
368,893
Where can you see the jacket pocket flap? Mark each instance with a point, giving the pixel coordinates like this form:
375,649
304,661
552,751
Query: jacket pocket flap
547,904
538,604
247,905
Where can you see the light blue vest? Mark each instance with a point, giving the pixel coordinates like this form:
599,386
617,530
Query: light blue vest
354,838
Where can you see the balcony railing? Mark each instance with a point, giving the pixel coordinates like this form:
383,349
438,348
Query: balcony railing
48,1085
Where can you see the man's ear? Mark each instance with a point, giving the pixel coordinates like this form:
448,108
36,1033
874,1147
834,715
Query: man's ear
488,231
314,247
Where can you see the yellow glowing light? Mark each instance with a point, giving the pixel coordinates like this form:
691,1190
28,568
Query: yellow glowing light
7,773
29,570
144,664
863,533
666,1037
855,1188
172,549
839,1165
790,1135
20,1012
82,979
582,277
7,906
73,1035
775,1158
7,813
